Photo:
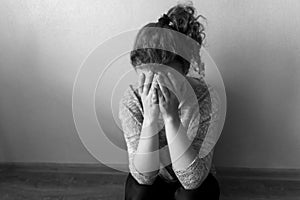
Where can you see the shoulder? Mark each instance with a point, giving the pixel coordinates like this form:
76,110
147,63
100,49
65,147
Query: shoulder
130,103
207,96
200,87
130,95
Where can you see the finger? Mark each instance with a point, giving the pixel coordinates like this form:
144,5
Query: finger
166,81
153,92
176,93
147,85
153,85
155,96
141,82
174,81
160,95
163,87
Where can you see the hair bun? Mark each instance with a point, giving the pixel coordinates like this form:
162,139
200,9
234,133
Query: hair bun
183,19
164,20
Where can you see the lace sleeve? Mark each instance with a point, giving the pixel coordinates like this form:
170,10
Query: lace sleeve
131,119
196,172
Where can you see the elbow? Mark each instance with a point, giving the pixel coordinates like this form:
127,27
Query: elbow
194,175
194,183
143,179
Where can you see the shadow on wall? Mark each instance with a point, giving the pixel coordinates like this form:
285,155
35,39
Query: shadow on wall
19,100
261,94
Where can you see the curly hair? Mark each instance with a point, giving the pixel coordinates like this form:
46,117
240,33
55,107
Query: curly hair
153,44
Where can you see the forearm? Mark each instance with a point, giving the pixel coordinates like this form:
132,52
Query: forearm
145,159
181,151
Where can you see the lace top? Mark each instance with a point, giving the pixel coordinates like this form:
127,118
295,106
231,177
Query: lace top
131,117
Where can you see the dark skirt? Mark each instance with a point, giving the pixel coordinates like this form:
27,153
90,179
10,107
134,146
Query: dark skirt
160,189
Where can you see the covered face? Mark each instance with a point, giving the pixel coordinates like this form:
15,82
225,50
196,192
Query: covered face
173,78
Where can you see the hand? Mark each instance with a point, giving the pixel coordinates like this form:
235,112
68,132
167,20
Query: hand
168,102
149,96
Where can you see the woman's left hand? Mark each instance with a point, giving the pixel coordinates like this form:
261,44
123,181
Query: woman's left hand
168,102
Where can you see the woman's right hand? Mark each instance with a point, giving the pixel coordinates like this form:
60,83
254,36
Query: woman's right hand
148,91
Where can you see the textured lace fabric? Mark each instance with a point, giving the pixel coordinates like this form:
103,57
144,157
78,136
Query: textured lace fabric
131,117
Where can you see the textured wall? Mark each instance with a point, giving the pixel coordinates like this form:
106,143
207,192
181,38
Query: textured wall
254,43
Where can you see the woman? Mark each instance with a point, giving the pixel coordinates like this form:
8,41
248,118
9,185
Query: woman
153,115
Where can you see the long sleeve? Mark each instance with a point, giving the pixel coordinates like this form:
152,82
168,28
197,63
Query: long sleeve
130,115
199,128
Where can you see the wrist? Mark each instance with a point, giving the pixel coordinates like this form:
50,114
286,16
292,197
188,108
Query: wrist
171,119
149,128
149,121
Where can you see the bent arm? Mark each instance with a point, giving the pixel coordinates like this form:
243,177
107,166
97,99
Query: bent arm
192,167
134,128
146,157
181,151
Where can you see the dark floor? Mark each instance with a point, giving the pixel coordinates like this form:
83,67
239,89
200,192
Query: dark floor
18,185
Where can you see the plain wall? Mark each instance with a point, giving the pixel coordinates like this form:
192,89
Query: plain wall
254,43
